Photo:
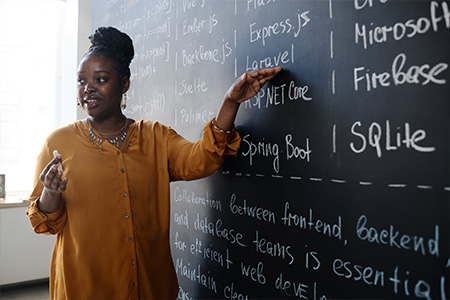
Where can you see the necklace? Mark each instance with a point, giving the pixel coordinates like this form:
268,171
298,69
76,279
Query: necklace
121,130
116,139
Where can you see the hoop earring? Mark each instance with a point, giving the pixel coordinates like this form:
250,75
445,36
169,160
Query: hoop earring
124,100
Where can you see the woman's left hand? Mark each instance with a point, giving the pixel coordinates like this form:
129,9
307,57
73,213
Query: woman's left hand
249,84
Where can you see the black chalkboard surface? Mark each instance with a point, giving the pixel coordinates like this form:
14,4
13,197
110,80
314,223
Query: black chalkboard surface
341,187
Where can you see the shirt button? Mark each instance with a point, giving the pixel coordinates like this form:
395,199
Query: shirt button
127,216
118,152
122,170
130,239
133,262
125,194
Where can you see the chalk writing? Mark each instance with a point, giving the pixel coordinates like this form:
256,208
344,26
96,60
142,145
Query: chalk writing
274,249
150,104
196,26
190,116
263,148
394,138
230,292
251,211
415,74
297,289
181,219
279,59
153,54
209,253
278,28
360,4
310,223
192,4
215,229
182,195
179,244
420,288
294,151
312,260
392,238
195,86
195,274
276,95
357,272
183,295
202,55
409,29
159,7
258,3
127,5
160,31
254,273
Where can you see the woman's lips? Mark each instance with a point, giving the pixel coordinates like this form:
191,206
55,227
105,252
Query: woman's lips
91,103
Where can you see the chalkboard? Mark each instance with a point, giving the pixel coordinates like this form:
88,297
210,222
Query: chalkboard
341,187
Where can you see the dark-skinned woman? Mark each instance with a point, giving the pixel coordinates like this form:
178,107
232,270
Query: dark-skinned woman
110,205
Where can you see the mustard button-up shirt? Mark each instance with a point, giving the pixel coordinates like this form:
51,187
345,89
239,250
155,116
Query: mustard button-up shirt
113,223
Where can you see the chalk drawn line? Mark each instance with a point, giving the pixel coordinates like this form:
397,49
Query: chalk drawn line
393,185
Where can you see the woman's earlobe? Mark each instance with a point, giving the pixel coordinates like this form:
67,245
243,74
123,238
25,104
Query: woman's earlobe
125,85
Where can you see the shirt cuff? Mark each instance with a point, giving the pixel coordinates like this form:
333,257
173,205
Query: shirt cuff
47,223
220,141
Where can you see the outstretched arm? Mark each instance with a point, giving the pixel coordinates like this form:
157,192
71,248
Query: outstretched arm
245,87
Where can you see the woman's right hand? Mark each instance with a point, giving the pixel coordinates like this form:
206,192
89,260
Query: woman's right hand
54,185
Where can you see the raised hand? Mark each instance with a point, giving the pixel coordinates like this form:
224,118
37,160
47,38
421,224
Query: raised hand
54,185
51,178
245,87
249,84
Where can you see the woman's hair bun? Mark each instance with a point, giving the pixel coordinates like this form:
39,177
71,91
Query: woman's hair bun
113,43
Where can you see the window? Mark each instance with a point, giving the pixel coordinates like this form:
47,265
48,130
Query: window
33,34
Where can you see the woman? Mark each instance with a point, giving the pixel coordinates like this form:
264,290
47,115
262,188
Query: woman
111,209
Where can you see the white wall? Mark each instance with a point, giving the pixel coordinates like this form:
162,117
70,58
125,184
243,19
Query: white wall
65,100
24,255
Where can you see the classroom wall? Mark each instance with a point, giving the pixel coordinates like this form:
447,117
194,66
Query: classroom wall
24,255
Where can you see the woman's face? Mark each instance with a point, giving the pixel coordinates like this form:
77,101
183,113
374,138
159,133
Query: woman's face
99,87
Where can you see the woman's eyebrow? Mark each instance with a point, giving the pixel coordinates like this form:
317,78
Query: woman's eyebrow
102,71
98,71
